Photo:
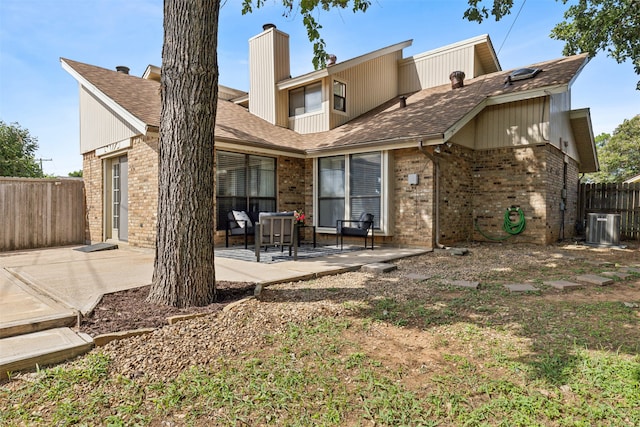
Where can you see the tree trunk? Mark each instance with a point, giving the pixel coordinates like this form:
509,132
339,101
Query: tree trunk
184,272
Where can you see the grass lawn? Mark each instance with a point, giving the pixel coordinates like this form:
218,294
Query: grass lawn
426,354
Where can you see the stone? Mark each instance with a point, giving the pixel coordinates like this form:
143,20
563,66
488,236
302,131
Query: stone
379,267
464,284
617,274
417,277
563,284
521,287
631,304
104,339
593,279
458,251
630,270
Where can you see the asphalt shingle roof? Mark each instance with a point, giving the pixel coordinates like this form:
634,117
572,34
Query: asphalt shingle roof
428,112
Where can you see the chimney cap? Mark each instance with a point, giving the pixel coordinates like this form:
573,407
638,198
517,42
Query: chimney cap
268,26
457,79
122,69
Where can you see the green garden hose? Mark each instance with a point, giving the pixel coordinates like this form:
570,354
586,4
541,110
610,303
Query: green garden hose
512,228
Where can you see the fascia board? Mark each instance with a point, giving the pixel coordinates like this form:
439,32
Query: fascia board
138,124
381,145
527,94
235,145
340,66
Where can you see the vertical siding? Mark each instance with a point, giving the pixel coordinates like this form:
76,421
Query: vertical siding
99,125
422,72
512,124
268,63
560,127
37,213
368,85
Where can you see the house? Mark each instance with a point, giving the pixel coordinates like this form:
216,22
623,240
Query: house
438,146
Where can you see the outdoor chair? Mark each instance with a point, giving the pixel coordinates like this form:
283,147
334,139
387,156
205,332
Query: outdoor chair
239,223
276,229
356,228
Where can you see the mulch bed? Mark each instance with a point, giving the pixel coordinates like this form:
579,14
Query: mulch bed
127,310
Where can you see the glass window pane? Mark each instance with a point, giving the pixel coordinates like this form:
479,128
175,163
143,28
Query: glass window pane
231,174
296,102
339,89
330,210
262,176
331,180
365,175
313,98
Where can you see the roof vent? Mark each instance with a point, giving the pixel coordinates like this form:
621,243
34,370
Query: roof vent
403,102
523,74
268,26
457,79
122,69
332,60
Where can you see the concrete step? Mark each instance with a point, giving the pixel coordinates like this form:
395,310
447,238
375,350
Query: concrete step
41,348
24,310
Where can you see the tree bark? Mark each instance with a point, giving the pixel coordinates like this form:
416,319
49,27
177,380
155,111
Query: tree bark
184,273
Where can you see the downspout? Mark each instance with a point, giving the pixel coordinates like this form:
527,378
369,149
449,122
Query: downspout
436,166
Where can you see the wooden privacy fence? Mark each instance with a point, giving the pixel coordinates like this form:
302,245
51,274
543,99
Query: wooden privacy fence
36,213
623,199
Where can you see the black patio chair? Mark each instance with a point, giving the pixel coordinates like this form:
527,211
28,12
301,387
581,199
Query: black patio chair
356,228
236,226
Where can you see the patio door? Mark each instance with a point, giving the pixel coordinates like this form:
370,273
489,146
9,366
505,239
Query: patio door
119,199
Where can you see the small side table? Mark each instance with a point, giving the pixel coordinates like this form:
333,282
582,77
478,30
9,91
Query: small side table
313,227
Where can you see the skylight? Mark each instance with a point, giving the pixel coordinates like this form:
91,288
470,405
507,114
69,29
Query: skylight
524,73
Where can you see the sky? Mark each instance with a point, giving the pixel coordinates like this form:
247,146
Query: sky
40,96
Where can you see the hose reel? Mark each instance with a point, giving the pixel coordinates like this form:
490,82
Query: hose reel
509,225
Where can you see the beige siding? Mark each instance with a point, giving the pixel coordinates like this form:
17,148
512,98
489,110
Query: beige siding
513,124
368,85
466,136
99,125
268,63
560,126
310,123
425,71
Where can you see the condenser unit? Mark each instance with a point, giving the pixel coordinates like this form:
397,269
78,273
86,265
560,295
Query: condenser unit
603,229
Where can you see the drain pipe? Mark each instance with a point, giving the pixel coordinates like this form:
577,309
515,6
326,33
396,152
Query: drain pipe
436,172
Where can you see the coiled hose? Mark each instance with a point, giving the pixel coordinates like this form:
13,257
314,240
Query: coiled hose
511,227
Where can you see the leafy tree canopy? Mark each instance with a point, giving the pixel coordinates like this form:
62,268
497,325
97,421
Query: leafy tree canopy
76,174
17,151
618,154
590,26
307,9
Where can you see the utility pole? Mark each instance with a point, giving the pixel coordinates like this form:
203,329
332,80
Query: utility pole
43,160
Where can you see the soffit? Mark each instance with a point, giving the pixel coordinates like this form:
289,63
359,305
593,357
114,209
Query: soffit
585,142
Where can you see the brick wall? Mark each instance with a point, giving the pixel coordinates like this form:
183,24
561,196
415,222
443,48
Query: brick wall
412,204
143,191
456,184
92,176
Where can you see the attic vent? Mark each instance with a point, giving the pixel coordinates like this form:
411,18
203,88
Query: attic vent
523,74
122,69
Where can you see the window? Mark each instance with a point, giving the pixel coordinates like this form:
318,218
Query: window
244,182
348,186
339,96
306,99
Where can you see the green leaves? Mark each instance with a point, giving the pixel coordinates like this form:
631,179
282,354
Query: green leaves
619,154
17,152
590,26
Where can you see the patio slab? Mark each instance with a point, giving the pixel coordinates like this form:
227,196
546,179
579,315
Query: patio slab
521,287
564,284
379,267
594,279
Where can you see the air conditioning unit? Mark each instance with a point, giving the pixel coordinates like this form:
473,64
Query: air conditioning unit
603,229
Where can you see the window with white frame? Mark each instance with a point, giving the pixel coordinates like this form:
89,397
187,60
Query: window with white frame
306,99
339,96
349,185
244,182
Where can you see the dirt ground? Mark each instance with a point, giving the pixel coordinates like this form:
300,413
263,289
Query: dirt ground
357,295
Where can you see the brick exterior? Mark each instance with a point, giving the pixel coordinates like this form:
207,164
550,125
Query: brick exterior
143,191
413,215
474,185
92,175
